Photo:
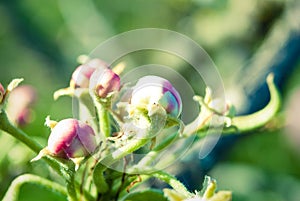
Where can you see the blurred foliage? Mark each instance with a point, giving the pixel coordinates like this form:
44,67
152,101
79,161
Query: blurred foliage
40,40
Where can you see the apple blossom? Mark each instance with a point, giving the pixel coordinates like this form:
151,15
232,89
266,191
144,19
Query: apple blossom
82,74
71,138
104,82
20,102
151,90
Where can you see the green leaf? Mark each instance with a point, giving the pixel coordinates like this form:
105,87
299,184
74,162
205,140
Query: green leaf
22,188
158,119
147,195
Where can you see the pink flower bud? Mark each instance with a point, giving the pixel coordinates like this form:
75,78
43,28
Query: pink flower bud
20,102
82,74
151,90
2,92
71,138
104,82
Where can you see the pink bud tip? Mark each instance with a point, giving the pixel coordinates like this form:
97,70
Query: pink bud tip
82,74
71,138
104,82
20,102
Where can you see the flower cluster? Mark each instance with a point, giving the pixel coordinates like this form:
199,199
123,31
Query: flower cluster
128,131
152,96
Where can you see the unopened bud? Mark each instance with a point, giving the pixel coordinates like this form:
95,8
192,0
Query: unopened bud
20,102
71,138
104,82
82,74
152,90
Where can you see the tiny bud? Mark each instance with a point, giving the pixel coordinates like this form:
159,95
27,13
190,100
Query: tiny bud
2,92
20,102
71,138
104,82
81,59
24,117
151,90
81,76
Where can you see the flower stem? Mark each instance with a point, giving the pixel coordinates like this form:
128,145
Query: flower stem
145,161
241,124
13,191
103,117
6,126
102,165
72,196
260,118
99,179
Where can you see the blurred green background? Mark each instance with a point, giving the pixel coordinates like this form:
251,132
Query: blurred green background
40,41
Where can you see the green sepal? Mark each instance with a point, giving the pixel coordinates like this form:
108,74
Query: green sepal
14,83
209,187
